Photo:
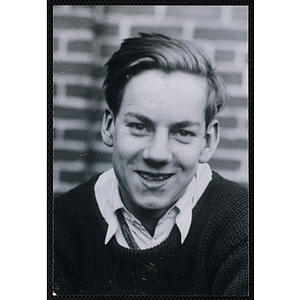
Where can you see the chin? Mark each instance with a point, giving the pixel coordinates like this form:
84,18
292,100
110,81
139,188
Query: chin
155,205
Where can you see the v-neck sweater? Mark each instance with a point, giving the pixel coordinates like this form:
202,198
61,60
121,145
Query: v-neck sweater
213,260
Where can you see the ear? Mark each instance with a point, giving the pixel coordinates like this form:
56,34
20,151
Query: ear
108,127
211,141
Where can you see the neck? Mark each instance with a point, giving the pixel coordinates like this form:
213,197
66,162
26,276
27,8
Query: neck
148,217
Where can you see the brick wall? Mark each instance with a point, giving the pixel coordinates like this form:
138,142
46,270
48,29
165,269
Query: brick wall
84,37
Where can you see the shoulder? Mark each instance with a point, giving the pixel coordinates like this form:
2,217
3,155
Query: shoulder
222,192
227,187
76,214
224,209
77,200
223,243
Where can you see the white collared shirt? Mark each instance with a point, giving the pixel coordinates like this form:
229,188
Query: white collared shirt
109,201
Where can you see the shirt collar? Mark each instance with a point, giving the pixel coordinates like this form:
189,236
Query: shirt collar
190,198
107,184
108,199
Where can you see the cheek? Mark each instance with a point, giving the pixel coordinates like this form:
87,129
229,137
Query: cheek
187,156
126,148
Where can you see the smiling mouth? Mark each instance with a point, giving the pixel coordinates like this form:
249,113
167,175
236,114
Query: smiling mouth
154,177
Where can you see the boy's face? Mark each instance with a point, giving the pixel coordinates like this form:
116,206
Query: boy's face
158,137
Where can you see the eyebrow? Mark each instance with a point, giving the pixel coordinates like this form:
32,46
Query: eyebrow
186,124
148,121
142,118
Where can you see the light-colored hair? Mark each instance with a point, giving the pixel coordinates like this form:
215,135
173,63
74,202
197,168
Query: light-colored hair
157,51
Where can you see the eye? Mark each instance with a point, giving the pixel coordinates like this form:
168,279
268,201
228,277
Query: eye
184,133
139,129
184,136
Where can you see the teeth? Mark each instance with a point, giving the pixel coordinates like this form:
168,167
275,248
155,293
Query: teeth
154,178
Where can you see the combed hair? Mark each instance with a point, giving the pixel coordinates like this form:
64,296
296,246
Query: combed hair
157,51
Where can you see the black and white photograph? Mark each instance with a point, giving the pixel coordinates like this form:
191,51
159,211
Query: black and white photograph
151,150
130,168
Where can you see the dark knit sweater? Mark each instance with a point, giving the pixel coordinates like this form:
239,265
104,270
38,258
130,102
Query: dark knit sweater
213,260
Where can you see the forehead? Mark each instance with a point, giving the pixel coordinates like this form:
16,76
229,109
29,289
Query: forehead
175,96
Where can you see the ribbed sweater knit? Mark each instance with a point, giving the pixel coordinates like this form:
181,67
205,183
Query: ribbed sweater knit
213,260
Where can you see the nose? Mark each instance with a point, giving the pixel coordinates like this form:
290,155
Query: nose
158,150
